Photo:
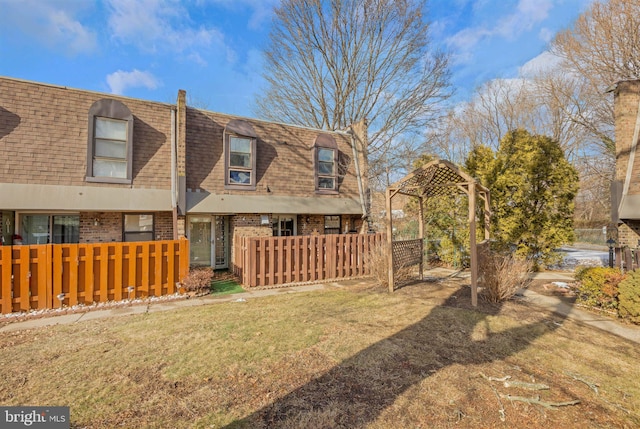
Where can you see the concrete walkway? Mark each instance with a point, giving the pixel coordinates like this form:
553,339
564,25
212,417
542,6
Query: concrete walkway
548,303
556,305
49,319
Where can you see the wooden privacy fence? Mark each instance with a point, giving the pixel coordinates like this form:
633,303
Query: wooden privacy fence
626,258
268,261
52,275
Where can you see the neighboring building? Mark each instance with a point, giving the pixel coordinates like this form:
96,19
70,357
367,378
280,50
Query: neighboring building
625,195
84,167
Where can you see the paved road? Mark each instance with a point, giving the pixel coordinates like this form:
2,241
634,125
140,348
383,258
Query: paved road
574,257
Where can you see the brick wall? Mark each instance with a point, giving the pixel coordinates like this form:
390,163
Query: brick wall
182,226
629,234
43,136
284,161
163,225
308,225
627,97
110,226
249,225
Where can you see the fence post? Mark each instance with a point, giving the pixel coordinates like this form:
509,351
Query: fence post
72,273
184,259
117,272
43,277
23,278
6,284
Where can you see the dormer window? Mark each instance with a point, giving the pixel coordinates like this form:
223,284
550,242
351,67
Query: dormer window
240,161
109,145
110,148
325,161
326,168
240,155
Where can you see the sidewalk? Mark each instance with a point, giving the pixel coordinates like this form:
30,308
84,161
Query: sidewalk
549,303
556,305
152,307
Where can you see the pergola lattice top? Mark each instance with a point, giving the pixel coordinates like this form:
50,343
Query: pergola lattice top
434,179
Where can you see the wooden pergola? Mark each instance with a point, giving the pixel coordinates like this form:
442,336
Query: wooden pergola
435,179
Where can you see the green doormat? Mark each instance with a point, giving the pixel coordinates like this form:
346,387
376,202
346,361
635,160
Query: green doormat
225,287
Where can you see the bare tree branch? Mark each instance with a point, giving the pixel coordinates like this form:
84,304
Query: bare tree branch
330,64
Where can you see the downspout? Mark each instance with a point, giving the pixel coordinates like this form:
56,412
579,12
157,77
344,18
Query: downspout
174,200
358,174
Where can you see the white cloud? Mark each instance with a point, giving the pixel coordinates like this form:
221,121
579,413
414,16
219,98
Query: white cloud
262,10
543,62
160,25
546,34
469,37
527,14
51,23
120,80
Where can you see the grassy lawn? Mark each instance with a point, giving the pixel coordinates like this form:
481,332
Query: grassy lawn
225,287
354,357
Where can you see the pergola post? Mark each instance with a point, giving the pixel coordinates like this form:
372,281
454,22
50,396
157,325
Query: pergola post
472,244
487,216
438,178
390,240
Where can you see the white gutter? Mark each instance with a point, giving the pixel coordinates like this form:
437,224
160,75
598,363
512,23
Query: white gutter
358,174
174,203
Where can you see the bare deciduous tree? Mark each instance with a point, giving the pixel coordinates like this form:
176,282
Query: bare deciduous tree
330,64
600,49
603,45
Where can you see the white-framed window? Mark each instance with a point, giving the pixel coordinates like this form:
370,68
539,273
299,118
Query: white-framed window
110,148
110,142
326,169
138,227
325,161
240,144
241,157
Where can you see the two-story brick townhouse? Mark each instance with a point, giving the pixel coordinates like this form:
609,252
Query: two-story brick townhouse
80,166
625,196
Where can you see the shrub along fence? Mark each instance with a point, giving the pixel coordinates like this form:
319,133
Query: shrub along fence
269,261
52,275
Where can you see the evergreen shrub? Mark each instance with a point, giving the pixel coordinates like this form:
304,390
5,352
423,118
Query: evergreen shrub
629,297
598,287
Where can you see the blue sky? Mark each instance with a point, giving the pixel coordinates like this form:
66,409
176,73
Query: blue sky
149,49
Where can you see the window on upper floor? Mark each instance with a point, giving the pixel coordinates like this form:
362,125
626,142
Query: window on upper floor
109,146
240,143
325,164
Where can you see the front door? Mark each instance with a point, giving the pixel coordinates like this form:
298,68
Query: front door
200,240
208,241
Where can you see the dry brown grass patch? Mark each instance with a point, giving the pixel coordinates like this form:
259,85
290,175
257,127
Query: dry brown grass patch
339,358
